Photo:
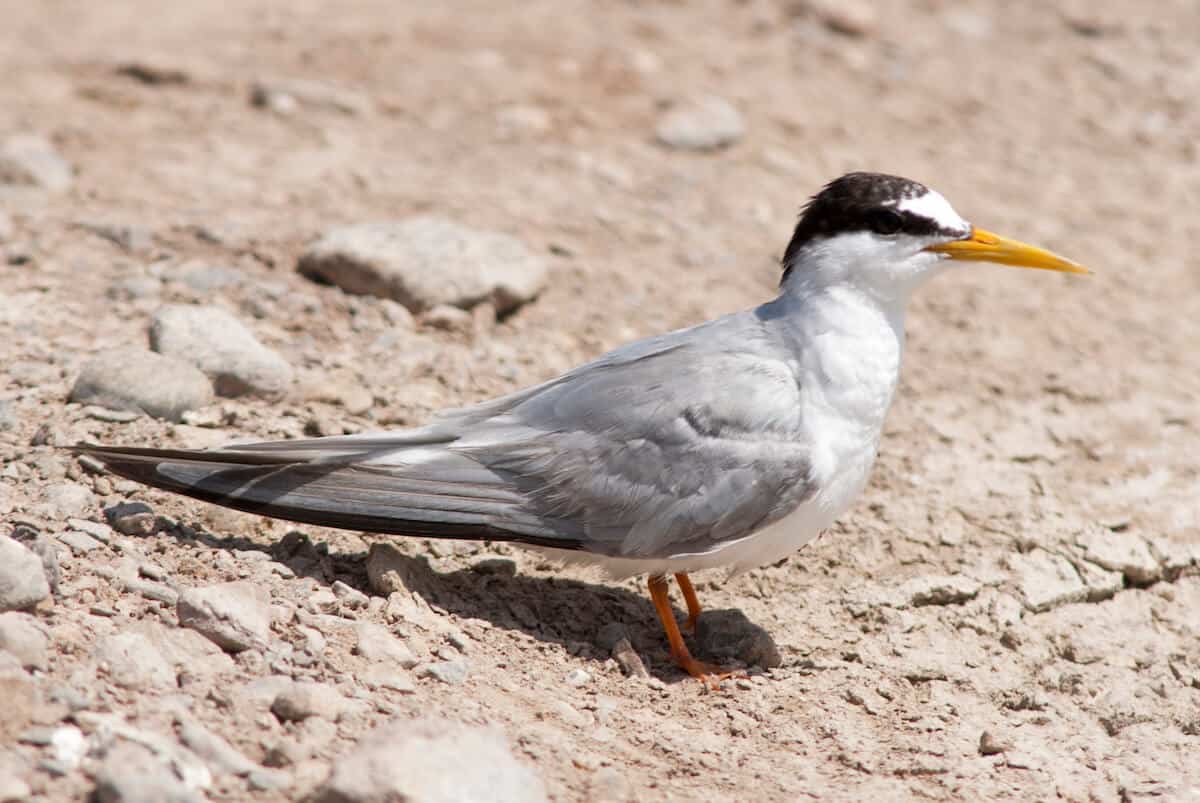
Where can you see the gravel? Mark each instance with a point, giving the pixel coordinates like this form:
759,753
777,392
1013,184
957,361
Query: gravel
219,345
415,760
235,616
22,577
142,381
426,261
701,124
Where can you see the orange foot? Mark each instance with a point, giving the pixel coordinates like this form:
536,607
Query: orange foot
710,675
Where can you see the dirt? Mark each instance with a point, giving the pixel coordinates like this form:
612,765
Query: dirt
1036,411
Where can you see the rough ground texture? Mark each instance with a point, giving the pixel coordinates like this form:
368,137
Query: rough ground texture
1011,611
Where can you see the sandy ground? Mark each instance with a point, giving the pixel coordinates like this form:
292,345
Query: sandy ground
1037,414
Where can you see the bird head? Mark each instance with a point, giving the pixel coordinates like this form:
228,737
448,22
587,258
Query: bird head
887,235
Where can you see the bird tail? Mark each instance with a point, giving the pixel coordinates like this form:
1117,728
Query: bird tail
427,491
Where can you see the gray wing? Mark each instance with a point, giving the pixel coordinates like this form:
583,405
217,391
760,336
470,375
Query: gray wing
672,445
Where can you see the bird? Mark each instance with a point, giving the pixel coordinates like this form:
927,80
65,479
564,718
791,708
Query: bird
729,444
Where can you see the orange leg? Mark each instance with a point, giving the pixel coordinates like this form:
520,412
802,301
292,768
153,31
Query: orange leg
705,673
689,596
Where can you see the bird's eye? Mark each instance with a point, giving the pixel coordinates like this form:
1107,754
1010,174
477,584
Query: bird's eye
884,221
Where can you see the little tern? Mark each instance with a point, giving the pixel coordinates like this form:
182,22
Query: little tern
730,444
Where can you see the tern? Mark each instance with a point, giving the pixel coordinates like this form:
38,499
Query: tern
728,444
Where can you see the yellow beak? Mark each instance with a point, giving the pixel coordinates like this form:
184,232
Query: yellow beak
983,246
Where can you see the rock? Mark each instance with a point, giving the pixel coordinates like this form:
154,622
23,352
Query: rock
1121,552
501,567
388,569
132,773
1121,706
131,288
306,699
65,500
216,752
20,695
132,518
205,278
1046,580
453,673
577,678
13,788
128,236
939,590
188,652
219,345
990,744
430,761
609,785
133,662
21,637
22,577
285,96
235,616
31,160
628,659
847,17
142,381
376,643
729,634
448,319
350,596
700,124
426,261
6,226
387,677
79,543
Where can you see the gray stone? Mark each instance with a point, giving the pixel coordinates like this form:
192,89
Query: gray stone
704,123
68,499
131,288
1046,580
235,616
349,595
426,261
186,650
142,381
729,634
430,761
939,590
80,543
205,278
376,643
132,518
307,699
219,345
285,96
31,160
22,577
21,636
216,752
132,773
387,677
98,530
453,673
847,17
1121,552
134,662
20,695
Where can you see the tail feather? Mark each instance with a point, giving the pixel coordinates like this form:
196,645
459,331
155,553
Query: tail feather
445,495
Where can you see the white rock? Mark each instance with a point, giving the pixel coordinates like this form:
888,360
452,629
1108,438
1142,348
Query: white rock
235,616
1046,580
425,261
67,499
31,160
133,662
21,636
430,761
1121,552
307,699
376,643
703,123
219,345
132,773
218,753
143,381
22,577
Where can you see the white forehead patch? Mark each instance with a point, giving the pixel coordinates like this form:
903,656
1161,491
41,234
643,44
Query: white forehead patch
932,205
